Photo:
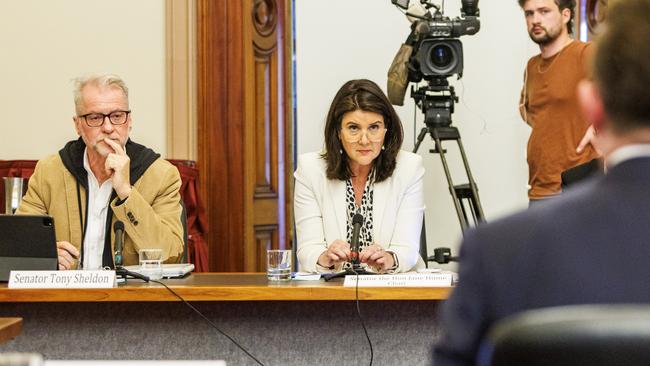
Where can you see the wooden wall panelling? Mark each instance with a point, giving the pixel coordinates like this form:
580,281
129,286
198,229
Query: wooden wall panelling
265,214
180,38
286,164
219,117
242,133
591,13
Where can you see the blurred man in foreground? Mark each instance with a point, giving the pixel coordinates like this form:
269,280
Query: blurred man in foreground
590,247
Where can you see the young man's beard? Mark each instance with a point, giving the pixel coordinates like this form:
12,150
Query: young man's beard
548,37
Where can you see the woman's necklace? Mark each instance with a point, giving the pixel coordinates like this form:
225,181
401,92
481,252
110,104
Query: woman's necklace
557,55
359,187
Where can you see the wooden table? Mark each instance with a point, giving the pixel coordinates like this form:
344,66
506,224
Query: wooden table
10,328
224,287
290,323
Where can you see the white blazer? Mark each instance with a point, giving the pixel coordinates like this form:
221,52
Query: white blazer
397,208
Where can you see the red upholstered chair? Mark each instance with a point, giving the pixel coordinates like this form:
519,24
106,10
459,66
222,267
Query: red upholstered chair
15,168
197,224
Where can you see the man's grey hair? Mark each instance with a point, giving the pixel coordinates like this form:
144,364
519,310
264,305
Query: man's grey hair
99,80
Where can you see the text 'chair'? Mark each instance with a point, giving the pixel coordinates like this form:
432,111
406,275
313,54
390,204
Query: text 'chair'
593,335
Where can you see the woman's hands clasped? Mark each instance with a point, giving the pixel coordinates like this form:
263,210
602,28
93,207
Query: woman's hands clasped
337,252
373,255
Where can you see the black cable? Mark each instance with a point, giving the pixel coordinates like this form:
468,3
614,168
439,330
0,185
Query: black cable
360,318
365,331
210,322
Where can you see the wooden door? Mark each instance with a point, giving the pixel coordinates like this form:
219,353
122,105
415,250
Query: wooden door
590,14
244,128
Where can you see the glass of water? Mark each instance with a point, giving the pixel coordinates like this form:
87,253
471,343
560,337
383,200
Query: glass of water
278,265
151,263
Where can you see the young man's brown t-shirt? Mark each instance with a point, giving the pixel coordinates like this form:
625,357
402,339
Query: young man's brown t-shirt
551,107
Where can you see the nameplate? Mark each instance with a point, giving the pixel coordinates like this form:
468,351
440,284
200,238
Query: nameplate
400,280
62,279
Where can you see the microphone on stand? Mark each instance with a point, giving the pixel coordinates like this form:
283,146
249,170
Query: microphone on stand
357,221
118,229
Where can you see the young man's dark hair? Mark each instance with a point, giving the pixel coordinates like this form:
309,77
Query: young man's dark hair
562,4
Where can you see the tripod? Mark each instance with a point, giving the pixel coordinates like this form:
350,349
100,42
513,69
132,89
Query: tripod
437,109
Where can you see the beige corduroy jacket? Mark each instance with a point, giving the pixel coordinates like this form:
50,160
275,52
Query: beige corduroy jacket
151,214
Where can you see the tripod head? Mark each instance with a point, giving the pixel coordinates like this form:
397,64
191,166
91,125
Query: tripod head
436,101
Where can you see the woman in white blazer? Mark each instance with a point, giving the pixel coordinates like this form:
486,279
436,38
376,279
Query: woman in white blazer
362,171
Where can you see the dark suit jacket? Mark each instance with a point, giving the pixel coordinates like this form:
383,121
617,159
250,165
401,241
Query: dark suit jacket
591,245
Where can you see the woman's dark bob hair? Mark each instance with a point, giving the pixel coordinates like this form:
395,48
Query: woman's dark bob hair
367,96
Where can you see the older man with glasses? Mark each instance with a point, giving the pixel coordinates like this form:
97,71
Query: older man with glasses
103,177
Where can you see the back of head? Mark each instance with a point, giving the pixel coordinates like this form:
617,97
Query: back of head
622,65
97,80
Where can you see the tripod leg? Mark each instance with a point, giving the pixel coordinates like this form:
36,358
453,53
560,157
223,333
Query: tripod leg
423,133
477,209
462,207
457,204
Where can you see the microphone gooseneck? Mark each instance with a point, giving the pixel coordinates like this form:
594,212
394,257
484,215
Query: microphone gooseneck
118,229
357,221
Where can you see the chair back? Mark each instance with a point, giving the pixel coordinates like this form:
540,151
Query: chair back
186,247
424,253
594,335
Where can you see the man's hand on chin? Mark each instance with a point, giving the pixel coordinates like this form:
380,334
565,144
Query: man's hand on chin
117,164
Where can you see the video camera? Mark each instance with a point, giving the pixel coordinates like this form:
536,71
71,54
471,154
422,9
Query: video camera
431,52
438,52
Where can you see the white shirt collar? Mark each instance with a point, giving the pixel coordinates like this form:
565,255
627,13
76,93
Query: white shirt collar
627,152
98,202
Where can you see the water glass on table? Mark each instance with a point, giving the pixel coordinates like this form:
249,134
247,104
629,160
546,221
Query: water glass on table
278,265
151,263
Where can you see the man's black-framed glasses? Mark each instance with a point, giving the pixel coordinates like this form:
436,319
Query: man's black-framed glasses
97,119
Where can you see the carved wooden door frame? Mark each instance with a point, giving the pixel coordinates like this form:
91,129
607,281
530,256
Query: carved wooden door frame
590,13
244,128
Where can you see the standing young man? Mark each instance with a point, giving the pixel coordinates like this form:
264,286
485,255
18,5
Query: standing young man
548,99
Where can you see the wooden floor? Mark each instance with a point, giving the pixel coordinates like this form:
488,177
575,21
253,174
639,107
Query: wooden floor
10,328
